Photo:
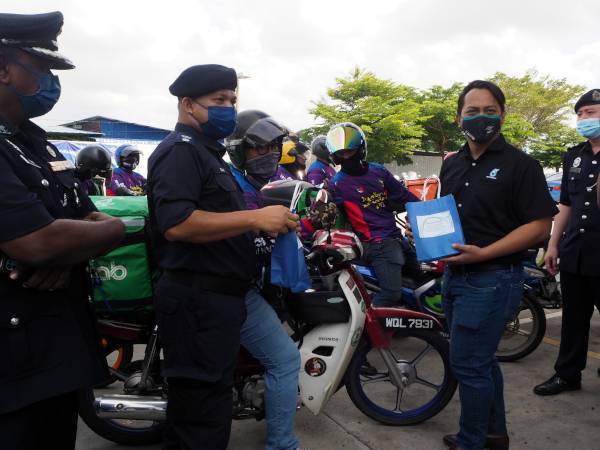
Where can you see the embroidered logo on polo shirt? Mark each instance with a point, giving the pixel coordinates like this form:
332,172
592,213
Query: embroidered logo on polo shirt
493,174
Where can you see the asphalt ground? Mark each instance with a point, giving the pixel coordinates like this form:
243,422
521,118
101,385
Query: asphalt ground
567,421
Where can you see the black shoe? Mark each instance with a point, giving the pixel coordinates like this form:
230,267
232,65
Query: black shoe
493,442
556,385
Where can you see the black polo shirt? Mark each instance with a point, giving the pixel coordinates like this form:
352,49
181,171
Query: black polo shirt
580,243
187,172
50,346
497,193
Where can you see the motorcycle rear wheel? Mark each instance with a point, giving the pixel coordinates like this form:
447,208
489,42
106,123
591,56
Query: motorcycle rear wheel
525,332
376,396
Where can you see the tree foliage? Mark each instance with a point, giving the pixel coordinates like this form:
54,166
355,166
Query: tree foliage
550,148
389,113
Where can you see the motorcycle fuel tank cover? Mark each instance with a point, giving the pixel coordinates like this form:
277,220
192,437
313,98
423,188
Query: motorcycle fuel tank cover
315,367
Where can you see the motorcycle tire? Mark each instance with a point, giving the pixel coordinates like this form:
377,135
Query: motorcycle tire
124,357
113,430
368,406
530,304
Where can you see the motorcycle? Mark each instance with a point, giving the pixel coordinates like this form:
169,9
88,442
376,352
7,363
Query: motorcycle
338,333
523,333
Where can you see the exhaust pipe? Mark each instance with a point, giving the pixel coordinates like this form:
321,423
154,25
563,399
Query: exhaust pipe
132,407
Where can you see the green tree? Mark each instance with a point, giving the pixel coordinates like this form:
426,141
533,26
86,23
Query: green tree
438,107
389,113
550,148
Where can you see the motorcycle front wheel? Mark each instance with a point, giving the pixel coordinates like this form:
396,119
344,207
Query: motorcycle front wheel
421,362
524,332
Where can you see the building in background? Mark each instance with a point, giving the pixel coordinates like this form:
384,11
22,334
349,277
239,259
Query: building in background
119,131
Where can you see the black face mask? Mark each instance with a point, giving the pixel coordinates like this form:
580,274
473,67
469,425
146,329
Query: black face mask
481,128
354,165
260,169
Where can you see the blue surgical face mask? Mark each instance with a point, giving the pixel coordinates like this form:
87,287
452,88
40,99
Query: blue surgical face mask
589,128
222,120
45,98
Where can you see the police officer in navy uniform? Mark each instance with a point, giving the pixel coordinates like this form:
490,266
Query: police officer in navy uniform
574,248
204,243
49,229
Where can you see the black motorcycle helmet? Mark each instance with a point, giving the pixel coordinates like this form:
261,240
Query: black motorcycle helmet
319,149
254,129
93,160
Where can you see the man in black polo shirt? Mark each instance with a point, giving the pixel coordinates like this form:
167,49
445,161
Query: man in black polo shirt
576,241
204,243
505,208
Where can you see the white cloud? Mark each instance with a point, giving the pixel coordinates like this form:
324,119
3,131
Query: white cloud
127,53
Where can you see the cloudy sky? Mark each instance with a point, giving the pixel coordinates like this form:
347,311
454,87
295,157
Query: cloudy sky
128,52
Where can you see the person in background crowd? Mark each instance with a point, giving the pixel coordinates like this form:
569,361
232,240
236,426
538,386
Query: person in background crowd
49,231
94,170
321,171
575,244
369,195
203,239
254,149
505,208
125,180
293,161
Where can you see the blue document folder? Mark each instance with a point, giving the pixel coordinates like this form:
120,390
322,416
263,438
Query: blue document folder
436,226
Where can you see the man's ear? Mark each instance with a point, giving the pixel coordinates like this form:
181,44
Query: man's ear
458,120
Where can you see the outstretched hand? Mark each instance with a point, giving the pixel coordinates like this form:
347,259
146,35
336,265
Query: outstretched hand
469,254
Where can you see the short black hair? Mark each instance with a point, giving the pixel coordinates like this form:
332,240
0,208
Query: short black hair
481,84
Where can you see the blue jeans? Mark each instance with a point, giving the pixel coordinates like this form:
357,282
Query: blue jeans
265,338
477,306
387,259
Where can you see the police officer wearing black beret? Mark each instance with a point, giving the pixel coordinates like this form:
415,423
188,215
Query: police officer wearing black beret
575,246
49,229
203,240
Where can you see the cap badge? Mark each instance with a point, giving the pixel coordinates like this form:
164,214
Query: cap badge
596,96
577,162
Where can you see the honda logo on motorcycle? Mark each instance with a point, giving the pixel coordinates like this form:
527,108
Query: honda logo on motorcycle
315,367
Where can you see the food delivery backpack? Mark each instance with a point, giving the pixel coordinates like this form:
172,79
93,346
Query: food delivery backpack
122,279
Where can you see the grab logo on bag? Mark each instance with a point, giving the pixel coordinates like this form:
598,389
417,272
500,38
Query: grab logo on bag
114,272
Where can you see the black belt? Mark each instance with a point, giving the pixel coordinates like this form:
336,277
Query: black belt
212,283
482,267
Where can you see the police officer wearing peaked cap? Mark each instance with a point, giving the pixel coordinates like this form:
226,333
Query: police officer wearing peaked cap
203,240
49,230
574,248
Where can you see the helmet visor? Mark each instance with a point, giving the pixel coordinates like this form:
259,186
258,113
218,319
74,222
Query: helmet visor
263,132
343,137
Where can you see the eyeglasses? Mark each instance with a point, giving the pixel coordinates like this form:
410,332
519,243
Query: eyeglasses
274,147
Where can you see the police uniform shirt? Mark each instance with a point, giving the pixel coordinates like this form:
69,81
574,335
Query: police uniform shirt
186,173
497,193
580,244
47,337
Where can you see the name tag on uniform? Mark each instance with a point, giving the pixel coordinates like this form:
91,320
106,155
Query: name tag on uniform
59,166
575,170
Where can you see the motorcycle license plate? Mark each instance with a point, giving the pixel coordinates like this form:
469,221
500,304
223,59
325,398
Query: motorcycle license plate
406,323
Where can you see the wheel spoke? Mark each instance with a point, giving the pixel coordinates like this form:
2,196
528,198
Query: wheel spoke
368,379
421,355
429,384
399,395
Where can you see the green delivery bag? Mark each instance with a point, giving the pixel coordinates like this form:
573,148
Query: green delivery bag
122,279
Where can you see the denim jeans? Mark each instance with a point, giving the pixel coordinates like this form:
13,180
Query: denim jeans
477,306
387,259
265,338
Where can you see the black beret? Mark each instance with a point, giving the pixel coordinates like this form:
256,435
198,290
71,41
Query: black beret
203,79
589,98
36,34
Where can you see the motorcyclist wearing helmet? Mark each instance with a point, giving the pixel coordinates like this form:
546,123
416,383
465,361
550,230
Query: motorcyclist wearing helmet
255,149
370,195
321,171
292,164
125,181
94,170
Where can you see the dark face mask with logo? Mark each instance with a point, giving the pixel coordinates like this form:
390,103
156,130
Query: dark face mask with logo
481,128
46,96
